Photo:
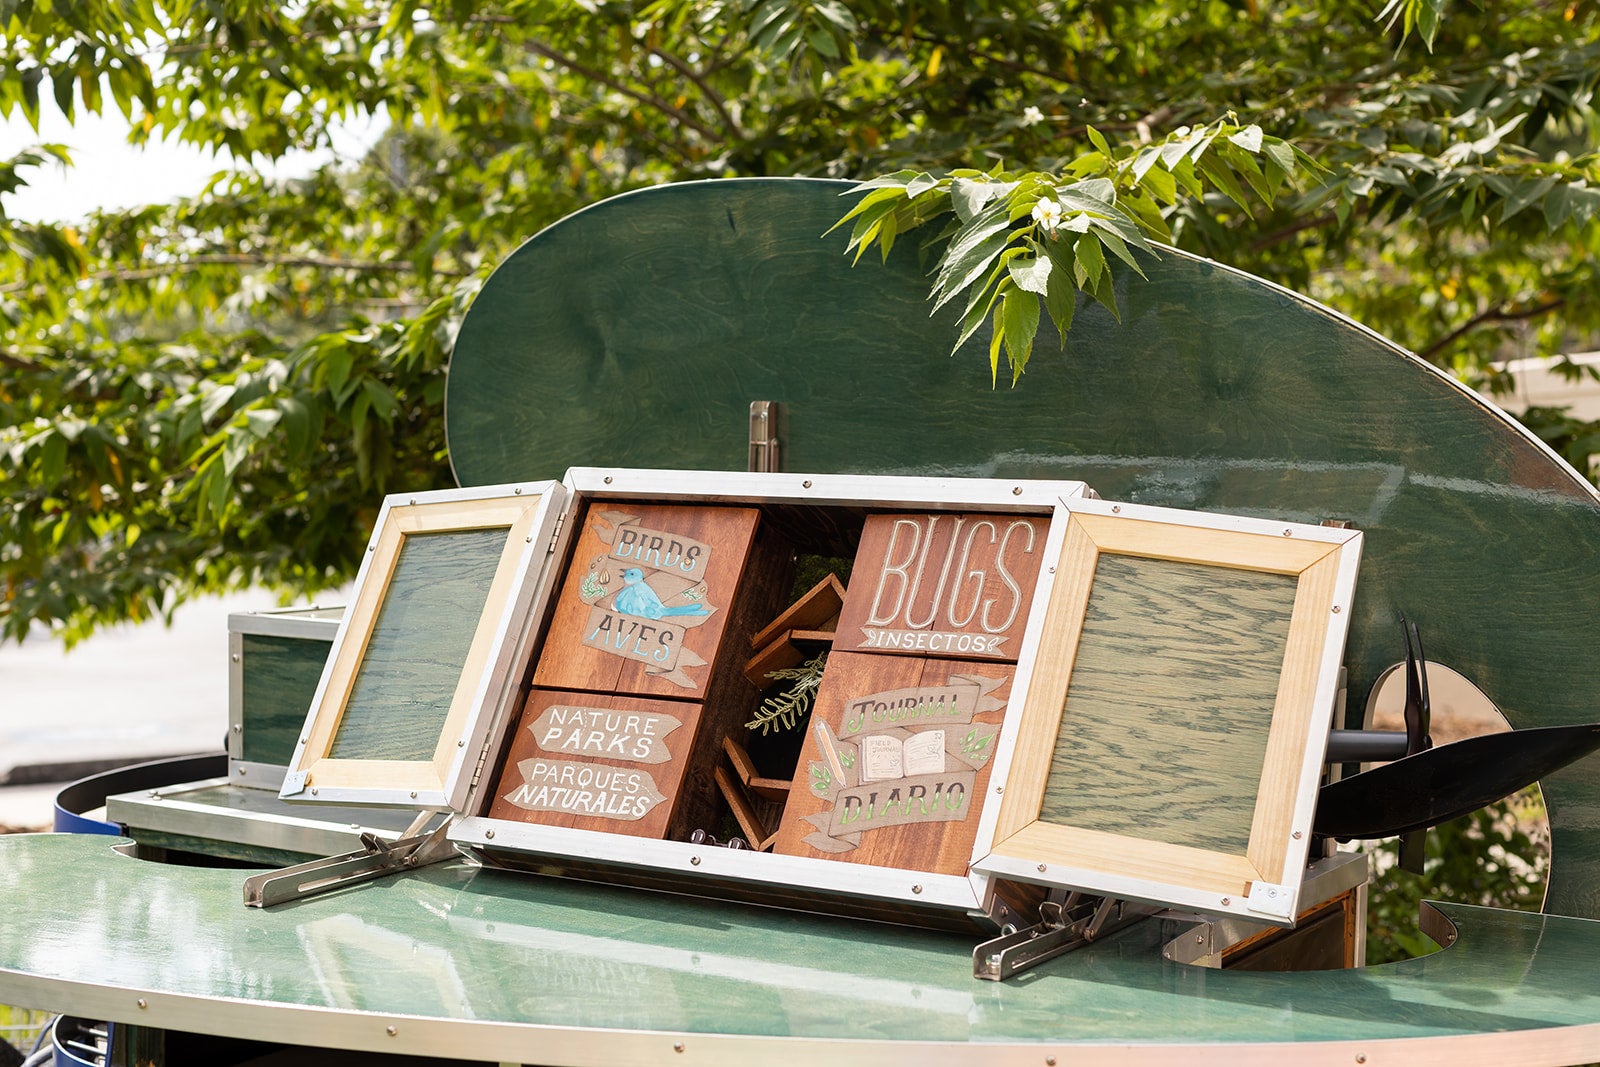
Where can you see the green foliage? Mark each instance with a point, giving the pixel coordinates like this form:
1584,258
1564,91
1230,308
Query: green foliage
1490,858
20,1027
217,392
1022,241
785,710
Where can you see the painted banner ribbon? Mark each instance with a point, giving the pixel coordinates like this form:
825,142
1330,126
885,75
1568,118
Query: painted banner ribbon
902,756
635,736
585,789
660,598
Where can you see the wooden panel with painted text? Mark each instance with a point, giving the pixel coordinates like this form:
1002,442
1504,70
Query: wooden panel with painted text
645,604
596,761
896,762
955,585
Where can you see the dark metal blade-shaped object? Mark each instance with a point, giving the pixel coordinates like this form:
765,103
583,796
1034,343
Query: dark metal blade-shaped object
1419,710
1448,782
1419,736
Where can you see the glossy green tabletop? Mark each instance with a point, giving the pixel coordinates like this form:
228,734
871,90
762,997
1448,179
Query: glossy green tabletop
483,964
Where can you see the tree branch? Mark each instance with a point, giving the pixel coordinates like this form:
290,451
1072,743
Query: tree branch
1314,223
600,78
699,82
191,263
16,363
1497,313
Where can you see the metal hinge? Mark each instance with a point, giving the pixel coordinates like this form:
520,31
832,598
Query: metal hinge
763,436
483,757
555,534
375,860
1065,923
294,783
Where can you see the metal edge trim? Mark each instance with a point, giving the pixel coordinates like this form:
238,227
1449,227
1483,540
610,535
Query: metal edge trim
879,491
173,815
264,624
925,889
571,1046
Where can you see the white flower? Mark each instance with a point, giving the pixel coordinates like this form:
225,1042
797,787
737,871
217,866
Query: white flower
1047,213
1032,116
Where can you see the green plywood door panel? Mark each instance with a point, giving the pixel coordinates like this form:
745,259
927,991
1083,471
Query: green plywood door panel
1179,756
280,676
473,948
638,331
413,660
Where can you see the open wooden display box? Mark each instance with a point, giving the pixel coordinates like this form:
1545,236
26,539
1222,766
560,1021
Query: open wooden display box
972,684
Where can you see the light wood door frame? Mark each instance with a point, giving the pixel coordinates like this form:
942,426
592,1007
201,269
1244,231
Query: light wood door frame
1323,562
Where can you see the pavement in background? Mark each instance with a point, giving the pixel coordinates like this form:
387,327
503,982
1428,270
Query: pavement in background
126,695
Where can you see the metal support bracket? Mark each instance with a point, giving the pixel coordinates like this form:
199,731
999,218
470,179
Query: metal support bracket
1065,923
375,860
763,436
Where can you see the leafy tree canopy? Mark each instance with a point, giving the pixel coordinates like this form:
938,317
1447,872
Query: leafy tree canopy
218,392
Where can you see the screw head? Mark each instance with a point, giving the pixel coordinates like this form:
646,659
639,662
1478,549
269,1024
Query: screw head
1226,901
1336,609
677,1046
313,790
694,861
142,1004
391,1030
1016,490
608,479
413,794
1116,509
1042,868
241,772
916,889
238,727
1288,533
489,834
806,484
1298,835
234,657
517,490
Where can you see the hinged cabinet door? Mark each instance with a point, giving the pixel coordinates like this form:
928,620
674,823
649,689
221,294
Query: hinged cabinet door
430,653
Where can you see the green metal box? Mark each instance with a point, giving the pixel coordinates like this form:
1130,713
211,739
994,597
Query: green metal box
275,659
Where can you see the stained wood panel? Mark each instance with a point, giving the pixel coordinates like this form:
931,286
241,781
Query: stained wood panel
414,657
645,603
1164,729
597,761
896,762
942,584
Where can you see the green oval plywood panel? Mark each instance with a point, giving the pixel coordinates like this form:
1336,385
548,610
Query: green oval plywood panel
638,331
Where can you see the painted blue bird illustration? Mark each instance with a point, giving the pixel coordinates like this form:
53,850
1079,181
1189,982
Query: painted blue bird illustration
637,598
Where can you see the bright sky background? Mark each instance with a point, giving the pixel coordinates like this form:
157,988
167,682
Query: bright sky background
108,172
